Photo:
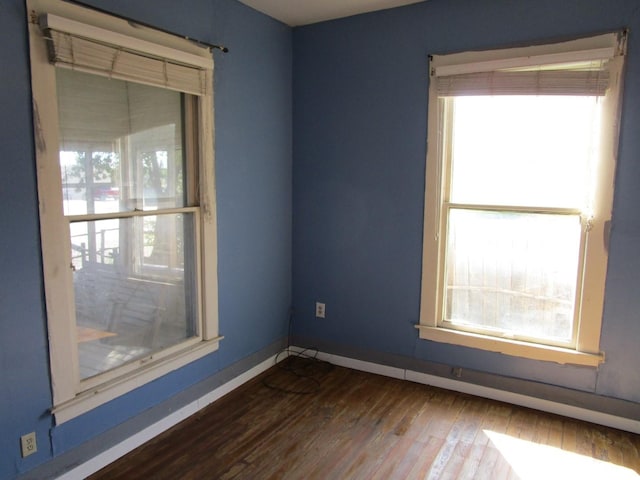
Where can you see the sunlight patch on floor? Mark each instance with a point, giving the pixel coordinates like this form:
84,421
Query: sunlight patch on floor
530,460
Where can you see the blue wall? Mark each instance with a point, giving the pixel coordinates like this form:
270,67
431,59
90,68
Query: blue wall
360,109
253,84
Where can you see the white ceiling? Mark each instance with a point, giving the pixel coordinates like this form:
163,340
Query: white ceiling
304,12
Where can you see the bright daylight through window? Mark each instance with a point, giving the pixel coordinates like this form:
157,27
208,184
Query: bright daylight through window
123,122
519,191
134,278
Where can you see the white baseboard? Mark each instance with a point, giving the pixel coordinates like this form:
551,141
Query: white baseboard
112,454
570,411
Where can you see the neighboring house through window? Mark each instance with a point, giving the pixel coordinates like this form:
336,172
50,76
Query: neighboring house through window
520,171
123,119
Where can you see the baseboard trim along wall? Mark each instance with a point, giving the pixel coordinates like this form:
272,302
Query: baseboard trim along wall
528,401
112,454
88,459
109,446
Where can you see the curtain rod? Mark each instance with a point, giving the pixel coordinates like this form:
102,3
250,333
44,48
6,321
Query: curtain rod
135,23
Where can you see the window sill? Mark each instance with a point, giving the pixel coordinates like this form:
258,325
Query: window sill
94,397
511,347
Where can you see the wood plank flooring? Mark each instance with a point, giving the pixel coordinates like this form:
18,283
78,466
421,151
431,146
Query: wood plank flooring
355,425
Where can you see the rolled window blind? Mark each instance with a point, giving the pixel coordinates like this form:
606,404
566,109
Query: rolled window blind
102,52
94,111
539,82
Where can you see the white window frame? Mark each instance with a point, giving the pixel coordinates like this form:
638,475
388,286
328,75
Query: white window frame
72,396
595,236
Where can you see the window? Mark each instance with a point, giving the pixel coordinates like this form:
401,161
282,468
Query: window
123,120
520,167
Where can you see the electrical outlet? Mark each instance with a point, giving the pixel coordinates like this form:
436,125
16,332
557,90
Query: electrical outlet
320,310
28,443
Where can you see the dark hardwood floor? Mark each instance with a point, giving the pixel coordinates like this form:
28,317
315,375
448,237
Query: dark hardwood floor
355,425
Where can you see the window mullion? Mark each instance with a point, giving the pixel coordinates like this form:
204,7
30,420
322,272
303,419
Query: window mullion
578,311
514,208
190,106
129,214
445,161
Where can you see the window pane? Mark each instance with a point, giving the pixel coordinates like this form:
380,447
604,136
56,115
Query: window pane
120,145
512,273
133,294
524,150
